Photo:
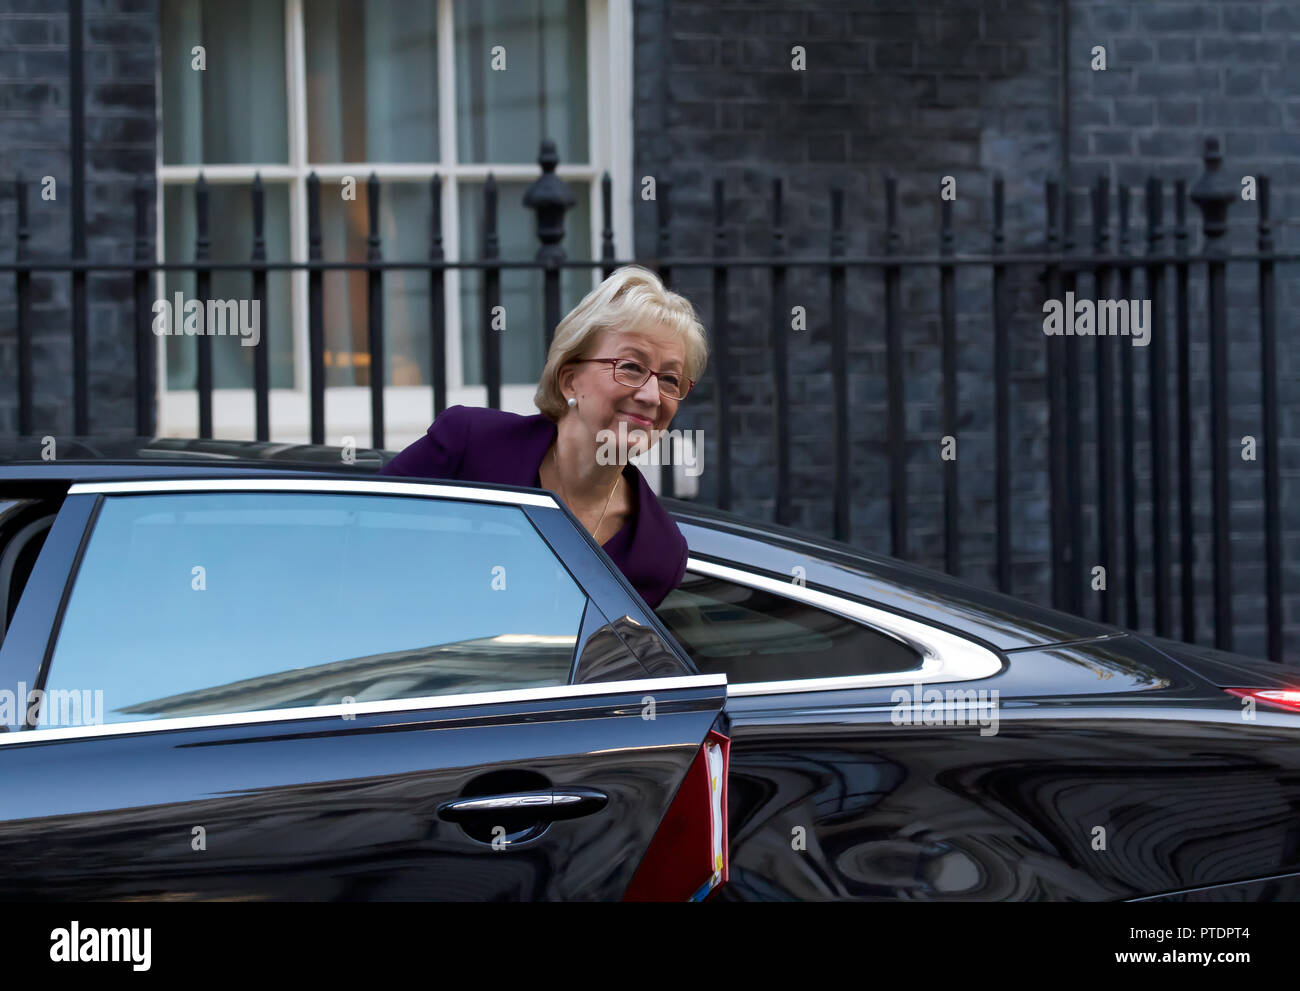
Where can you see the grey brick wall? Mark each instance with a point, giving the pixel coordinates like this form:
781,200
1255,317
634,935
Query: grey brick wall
967,90
1176,73
120,41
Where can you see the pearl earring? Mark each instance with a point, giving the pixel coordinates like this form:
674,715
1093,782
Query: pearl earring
572,401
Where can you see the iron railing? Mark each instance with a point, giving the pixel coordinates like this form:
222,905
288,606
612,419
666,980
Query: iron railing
1060,264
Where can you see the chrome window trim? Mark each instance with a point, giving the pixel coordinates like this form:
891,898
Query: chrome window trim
379,706
360,486
946,657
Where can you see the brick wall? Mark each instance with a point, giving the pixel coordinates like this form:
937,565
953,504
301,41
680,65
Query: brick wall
925,90
1176,73
967,90
120,40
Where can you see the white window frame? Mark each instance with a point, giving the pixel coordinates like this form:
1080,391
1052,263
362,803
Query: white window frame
408,410
946,657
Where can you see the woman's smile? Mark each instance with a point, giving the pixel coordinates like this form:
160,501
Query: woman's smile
637,419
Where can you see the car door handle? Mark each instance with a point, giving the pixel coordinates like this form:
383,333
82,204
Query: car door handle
548,805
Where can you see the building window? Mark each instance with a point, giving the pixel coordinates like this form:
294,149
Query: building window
401,88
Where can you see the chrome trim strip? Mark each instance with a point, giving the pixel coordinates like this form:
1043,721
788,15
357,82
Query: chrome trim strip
946,657
380,706
363,486
507,802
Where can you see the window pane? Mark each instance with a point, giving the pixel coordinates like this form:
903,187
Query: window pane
308,599
233,110
372,80
24,525
230,233
751,635
404,217
503,114
523,349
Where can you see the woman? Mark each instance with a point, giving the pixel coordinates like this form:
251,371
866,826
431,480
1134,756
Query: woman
627,354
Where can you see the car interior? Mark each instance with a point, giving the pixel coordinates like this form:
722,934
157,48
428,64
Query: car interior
25,522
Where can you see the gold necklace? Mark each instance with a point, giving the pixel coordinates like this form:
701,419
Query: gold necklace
556,460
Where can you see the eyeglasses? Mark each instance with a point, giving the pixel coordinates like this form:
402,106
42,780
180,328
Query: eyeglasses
633,374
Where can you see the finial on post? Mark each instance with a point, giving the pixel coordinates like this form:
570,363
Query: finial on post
1213,193
549,198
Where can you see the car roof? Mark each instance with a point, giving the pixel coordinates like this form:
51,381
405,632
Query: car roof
102,458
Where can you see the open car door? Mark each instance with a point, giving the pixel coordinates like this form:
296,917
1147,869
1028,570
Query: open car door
568,793
271,689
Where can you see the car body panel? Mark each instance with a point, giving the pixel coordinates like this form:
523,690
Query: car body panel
183,451
1117,766
1283,888
1103,801
1225,669
332,807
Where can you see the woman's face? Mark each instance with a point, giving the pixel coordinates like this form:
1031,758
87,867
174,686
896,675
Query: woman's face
603,403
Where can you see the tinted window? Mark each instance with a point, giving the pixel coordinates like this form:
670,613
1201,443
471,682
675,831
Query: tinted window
24,525
751,635
188,604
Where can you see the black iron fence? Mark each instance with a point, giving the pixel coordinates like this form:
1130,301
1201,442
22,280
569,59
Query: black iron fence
1164,269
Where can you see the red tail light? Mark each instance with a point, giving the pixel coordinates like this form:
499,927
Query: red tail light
1282,698
688,857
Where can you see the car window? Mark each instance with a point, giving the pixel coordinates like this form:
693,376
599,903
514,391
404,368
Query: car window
201,603
751,635
24,525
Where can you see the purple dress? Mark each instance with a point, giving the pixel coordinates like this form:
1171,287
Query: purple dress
474,444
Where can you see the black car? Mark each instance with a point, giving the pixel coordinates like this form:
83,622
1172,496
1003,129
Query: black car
320,684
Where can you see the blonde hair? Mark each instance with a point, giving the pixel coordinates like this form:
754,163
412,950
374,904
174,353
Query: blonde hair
632,298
